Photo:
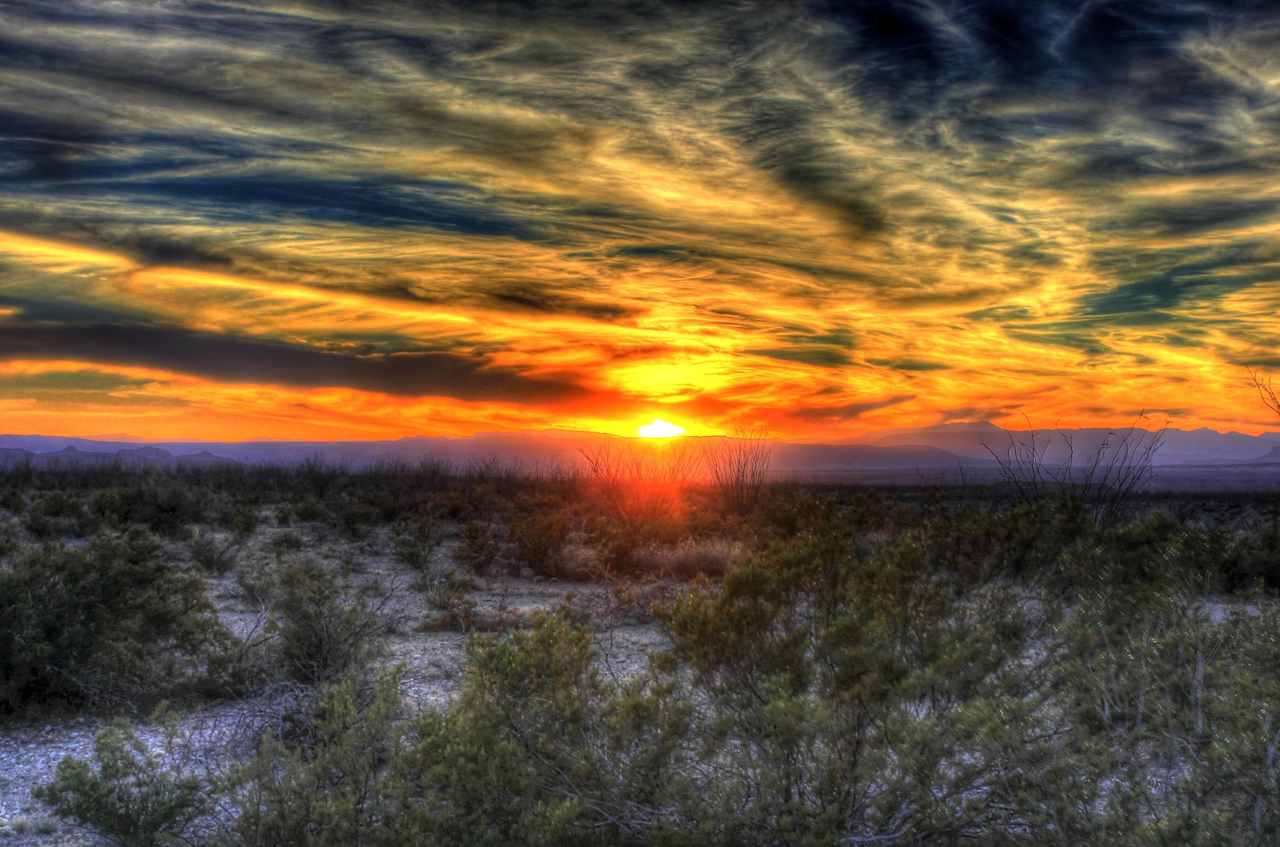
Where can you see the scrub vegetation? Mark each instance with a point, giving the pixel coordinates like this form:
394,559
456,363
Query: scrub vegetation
986,665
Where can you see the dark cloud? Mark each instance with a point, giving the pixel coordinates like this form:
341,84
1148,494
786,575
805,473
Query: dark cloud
1197,280
441,205
1002,314
1081,340
43,148
835,337
1174,220
65,310
82,381
538,298
980,414
780,136
905,363
80,388
236,359
823,357
850,411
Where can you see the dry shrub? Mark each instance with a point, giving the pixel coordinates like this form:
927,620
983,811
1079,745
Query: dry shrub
1099,486
690,558
417,538
738,469
539,540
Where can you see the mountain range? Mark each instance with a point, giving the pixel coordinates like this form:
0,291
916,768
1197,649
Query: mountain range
949,452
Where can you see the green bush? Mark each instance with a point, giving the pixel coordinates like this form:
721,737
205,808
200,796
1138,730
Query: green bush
323,633
58,514
287,541
1151,550
310,510
337,788
539,539
479,548
417,538
353,516
258,581
166,507
844,696
113,621
241,520
130,794
215,555
539,749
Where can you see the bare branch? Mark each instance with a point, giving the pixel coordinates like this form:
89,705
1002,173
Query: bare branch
1266,390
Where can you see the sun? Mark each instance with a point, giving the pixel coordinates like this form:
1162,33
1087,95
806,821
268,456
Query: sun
658,428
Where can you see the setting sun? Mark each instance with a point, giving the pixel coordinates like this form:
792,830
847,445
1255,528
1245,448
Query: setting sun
659,428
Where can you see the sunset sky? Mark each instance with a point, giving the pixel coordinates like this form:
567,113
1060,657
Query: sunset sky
332,220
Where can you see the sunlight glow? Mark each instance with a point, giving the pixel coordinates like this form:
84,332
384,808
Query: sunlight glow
658,428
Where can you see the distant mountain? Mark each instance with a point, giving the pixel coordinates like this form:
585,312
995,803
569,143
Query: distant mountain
1180,447
74,457
804,458
527,450
969,440
1272,458
949,453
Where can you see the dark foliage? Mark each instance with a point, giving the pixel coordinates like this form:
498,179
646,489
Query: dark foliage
115,621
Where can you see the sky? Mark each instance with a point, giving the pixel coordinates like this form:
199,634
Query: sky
365,220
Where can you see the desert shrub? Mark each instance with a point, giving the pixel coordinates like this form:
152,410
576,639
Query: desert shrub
288,541
641,520
57,504
480,546
399,493
258,581
165,506
539,538
1150,550
417,538
441,590
739,470
978,543
335,788
112,621
472,498
1098,487
310,510
1249,561
692,557
323,633
10,537
241,520
1175,714
13,500
214,555
353,516
58,514
130,794
843,696
538,749
449,594
315,477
